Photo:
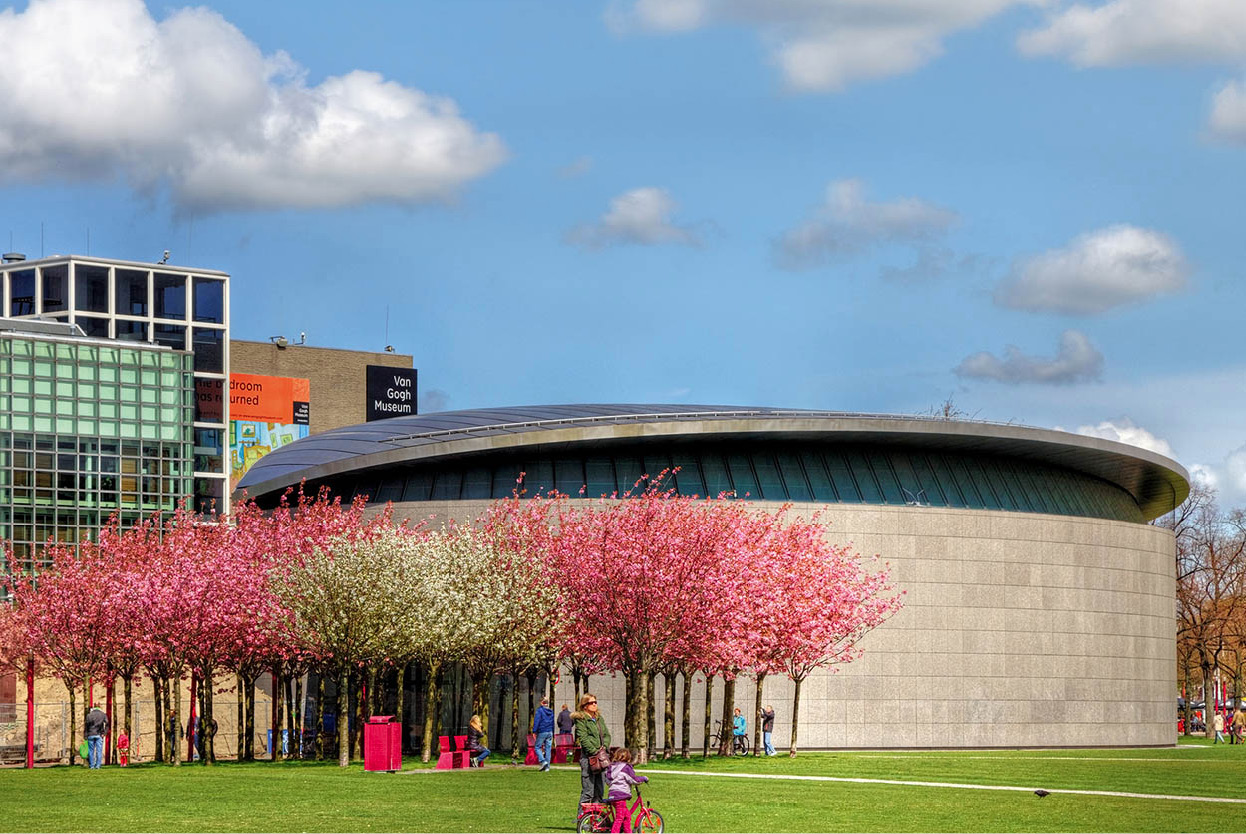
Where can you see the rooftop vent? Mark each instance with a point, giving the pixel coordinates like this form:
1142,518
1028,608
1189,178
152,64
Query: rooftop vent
13,257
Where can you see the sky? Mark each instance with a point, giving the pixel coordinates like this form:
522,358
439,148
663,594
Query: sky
1030,208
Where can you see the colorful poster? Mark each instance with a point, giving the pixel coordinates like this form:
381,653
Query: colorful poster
266,413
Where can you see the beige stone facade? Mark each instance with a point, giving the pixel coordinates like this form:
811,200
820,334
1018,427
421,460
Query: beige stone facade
337,377
1018,630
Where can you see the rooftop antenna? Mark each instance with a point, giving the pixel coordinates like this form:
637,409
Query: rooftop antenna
88,240
165,259
41,238
387,324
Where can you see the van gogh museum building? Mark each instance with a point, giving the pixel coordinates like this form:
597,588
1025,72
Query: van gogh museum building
1040,602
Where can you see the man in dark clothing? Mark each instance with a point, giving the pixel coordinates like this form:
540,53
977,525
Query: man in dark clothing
767,727
543,727
96,727
566,724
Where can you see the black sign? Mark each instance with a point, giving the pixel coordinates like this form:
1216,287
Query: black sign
391,392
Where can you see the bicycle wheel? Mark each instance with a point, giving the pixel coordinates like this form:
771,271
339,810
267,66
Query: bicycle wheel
596,821
650,822
741,745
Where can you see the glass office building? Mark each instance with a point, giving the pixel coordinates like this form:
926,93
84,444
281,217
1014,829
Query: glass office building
176,307
88,428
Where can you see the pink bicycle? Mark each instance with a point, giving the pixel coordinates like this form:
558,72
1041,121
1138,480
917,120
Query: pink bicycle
599,817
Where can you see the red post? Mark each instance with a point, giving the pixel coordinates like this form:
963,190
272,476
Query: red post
30,712
190,728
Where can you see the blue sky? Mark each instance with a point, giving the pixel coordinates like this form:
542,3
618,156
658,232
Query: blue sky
1033,208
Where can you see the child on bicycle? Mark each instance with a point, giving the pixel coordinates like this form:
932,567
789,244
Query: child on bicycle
619,783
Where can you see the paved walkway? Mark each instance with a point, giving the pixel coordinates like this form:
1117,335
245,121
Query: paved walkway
794,778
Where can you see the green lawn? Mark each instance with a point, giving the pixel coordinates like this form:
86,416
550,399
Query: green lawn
322,797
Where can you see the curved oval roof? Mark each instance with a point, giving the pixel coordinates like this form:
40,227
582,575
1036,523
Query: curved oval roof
1156,482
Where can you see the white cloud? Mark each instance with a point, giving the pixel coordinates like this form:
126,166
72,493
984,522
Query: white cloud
1125,32
1124,431
1108,268
823,45
847,223
188,103
641,216
1205,475
1228,113
1077,360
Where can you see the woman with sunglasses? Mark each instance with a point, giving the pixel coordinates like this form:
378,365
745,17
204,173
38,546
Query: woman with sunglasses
591,735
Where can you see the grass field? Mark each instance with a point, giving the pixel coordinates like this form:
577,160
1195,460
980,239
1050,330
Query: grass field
322,797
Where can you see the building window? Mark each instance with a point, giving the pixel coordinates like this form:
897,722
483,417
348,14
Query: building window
93,326
209,350
209,300
132,331
131,292
55,288
90,288
22,292
171,335
170,295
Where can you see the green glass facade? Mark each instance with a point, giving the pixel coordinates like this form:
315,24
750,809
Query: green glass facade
833,473
89,429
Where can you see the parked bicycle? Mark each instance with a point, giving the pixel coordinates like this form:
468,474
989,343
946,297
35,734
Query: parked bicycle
739,744
599,817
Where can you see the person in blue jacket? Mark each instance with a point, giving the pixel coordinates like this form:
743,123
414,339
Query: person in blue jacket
739,728
543,726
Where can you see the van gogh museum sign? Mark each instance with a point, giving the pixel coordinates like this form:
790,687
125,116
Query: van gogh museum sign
391,392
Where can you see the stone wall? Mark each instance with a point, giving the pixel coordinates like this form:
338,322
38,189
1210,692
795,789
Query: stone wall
1019,630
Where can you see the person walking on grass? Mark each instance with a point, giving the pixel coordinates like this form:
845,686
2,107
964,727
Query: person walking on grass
566,724
476,743
619,788
591,735
1218,723
543,727
1236,726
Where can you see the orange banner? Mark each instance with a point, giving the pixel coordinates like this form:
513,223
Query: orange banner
268,399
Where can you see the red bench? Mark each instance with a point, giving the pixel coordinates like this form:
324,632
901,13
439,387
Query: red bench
453,759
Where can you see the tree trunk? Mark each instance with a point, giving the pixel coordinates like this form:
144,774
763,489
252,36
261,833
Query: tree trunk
685,731
651,724
515,715
241,683
575,682
757,750
128,689
401,704
73,725
110,738
709,714
430,710
276,722
668,722
343,716
176,756
724,748
250,739
533,675
319,745
795,714
480,701
161,718
361,711
636,732
291,718
209,717
299,718
1209,698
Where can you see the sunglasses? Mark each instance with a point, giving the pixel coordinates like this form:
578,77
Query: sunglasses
589,703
